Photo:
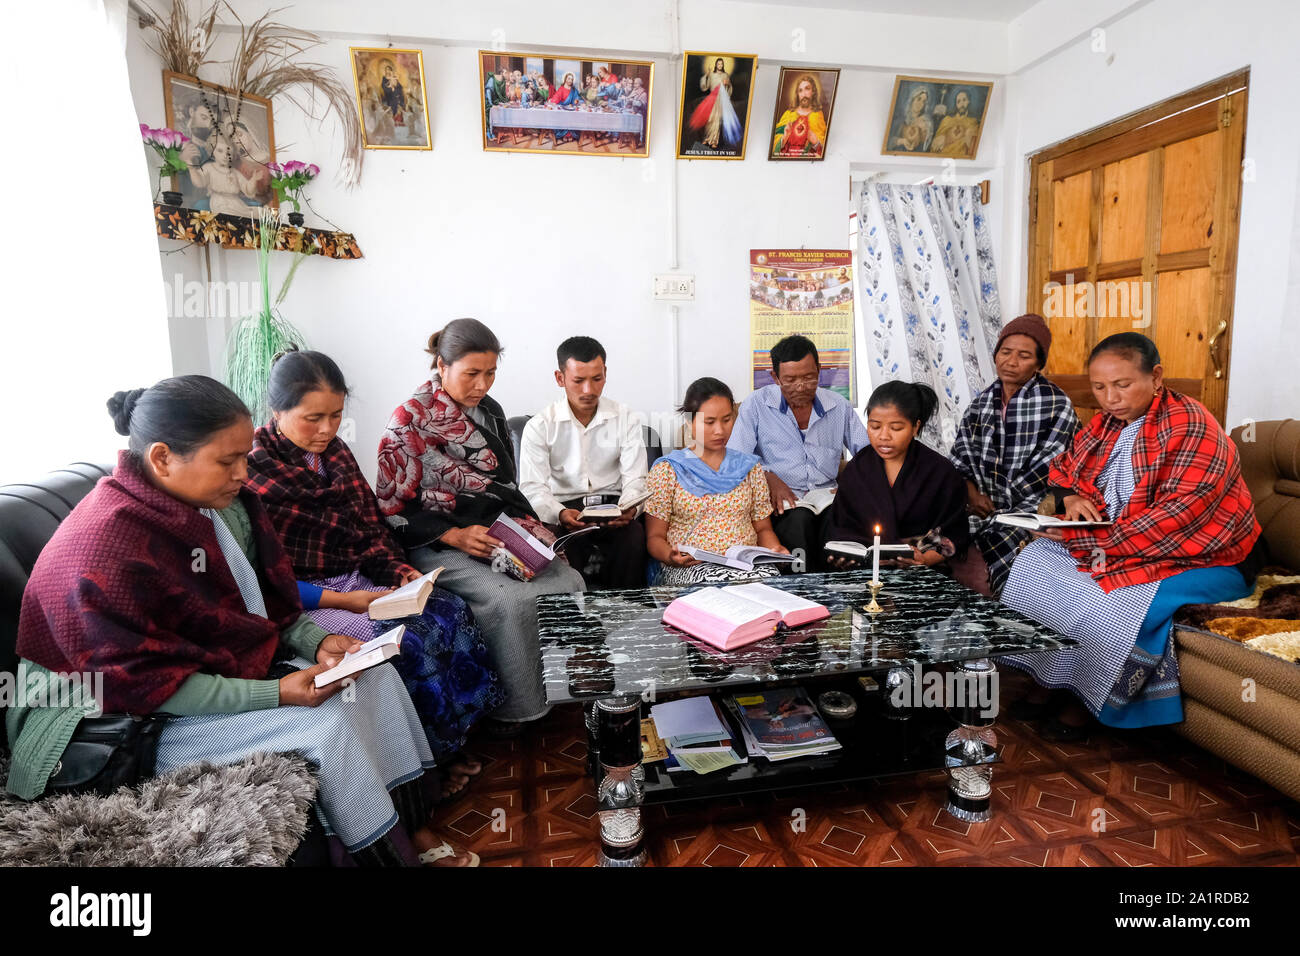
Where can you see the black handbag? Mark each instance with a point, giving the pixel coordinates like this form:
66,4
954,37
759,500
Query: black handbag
105,753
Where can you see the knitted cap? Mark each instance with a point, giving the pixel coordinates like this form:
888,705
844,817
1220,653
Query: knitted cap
1032,325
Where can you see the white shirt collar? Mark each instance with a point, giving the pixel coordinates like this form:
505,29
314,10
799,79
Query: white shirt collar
605,410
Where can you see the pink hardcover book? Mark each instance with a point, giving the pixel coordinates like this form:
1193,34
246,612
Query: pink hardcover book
732,617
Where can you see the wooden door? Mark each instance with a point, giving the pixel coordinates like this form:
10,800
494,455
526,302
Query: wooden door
1133,227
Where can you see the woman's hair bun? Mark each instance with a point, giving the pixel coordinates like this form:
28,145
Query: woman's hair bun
291,347
120,407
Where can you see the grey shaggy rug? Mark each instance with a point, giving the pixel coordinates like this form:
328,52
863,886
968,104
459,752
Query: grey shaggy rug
252,813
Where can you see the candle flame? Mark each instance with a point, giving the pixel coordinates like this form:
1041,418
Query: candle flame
877,529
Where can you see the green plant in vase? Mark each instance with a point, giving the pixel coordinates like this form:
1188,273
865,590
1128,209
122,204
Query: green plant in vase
287,179
256,339
167,144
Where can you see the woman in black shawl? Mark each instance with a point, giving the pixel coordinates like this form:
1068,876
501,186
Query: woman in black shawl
911,492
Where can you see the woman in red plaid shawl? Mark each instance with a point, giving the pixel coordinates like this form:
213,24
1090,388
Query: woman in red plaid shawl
446,471
343,551
1157,466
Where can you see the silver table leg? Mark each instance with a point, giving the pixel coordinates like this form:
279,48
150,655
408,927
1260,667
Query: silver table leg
620,789
971,749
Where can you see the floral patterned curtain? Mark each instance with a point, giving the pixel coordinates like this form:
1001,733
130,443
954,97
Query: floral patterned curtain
929,294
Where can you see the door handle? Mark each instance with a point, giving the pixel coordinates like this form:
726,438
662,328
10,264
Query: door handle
1214,351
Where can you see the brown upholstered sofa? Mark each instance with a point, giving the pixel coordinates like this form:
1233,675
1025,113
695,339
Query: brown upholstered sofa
1261,736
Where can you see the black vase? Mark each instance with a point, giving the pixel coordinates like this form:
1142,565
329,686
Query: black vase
295,219
170,198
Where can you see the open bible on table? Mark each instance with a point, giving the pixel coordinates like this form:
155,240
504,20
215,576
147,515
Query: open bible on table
730,617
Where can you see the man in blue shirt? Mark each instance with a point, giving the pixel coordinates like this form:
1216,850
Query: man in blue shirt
800,432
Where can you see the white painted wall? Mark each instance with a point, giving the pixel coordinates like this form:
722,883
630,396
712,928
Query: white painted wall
541,247
1162,48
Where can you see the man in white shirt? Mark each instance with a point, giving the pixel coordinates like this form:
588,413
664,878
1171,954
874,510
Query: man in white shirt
581,450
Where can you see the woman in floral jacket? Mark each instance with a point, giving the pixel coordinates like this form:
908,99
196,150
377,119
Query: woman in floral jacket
446,472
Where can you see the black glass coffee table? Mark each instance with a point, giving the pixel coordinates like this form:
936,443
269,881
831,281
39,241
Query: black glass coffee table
929,650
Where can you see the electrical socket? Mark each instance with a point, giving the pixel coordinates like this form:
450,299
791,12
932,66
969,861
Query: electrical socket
673,285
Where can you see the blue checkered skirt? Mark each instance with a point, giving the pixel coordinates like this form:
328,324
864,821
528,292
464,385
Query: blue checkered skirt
363,742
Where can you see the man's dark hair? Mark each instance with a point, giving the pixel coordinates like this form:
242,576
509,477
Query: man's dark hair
793,348
580,348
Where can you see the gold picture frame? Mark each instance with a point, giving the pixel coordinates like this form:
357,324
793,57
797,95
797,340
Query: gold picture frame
385,109
933,129
826,83
611,119
693,65
189,101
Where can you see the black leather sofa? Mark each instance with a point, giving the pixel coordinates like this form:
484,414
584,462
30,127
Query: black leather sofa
29,515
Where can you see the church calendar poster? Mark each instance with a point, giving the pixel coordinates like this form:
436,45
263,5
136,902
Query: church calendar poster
803,292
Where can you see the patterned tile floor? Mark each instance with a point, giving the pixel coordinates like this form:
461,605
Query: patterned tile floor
1164,802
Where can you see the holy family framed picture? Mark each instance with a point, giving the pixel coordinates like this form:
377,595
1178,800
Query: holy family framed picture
717,91
590,105
801,121
390,97
232,139
936,117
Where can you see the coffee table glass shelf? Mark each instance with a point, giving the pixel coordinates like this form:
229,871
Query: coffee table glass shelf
611,651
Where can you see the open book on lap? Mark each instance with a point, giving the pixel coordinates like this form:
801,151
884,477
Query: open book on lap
856,549
1037,522
407,600
611,510
368,655
742,557
817,500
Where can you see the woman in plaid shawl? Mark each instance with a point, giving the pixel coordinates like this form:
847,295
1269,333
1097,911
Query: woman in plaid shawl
1157,466
344,553
1007,439
446,472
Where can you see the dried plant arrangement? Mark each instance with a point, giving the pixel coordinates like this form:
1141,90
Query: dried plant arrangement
183,42
266,63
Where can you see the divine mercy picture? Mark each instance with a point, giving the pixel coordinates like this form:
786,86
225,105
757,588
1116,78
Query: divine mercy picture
717,89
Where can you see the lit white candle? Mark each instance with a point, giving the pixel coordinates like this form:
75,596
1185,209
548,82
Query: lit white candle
875,558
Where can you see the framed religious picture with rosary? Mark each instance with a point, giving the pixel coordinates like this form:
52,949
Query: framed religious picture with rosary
231,142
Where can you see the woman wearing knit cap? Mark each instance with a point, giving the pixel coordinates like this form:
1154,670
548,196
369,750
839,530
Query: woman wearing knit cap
1007,439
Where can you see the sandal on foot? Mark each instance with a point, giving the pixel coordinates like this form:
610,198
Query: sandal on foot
444,854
